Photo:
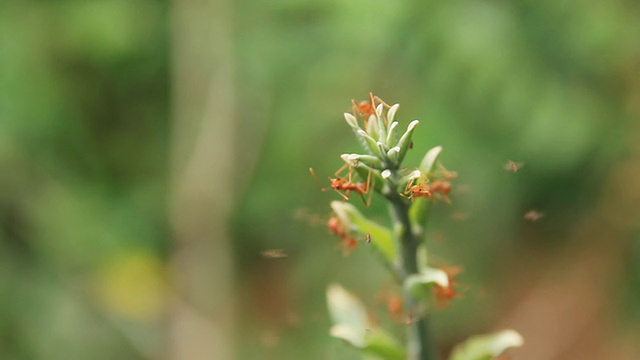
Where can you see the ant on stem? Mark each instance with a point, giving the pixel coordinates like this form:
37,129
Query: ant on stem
344,186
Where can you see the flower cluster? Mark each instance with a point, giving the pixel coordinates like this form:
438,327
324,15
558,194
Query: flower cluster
401,247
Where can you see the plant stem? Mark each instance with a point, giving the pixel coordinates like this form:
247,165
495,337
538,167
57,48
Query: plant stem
420,340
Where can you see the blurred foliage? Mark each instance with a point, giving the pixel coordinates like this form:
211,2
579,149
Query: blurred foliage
84,143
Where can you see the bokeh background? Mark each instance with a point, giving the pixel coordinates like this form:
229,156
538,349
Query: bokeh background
151,151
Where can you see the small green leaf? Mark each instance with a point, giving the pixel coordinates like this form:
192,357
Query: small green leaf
391,114
352,324
379,342
405,139
415,283
349,316
486,347
381,237
373,127
368,160
372,144
352,121
429,160
392,133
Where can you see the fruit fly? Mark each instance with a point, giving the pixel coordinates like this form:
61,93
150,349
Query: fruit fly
344,186
274,254
533,215
513,166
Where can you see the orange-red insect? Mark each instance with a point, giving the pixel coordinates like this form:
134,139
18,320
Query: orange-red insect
533,215
420,189
393,302
444,294
442,187
394,306
366,108
347,241
344,186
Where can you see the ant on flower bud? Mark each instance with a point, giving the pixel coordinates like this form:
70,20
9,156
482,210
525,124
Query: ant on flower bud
344,186
418,190
366,108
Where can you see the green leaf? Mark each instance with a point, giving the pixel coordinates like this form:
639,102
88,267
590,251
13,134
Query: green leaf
369,160
415,283
486,347
372,144
352,324
405,139
429,160
349,316
381,238
382,344
392,133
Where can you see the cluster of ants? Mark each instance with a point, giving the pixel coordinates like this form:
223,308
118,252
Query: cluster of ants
418,186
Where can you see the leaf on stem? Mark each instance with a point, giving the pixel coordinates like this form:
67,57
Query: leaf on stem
486,347
415,283
381,237
352,324
405,139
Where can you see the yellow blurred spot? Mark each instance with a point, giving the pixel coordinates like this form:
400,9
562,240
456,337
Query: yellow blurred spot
133,285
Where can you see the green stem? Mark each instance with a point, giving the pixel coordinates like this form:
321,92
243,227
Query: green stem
420,340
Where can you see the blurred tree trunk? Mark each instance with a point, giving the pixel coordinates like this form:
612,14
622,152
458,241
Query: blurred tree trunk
201,318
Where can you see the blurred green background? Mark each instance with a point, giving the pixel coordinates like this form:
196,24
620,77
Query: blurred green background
151,151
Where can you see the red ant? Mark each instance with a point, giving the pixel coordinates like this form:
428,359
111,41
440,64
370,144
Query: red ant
367,108
418,190
345,186
336,227
445,294
393,302
442,186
